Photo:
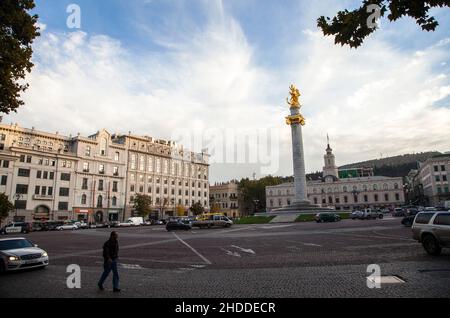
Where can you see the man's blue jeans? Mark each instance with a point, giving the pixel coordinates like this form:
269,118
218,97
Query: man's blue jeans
108,267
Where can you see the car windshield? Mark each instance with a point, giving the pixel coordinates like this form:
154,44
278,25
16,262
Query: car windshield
14,244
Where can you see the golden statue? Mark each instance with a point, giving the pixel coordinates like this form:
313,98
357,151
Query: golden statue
295,95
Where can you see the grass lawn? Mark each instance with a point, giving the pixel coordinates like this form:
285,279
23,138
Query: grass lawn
255,220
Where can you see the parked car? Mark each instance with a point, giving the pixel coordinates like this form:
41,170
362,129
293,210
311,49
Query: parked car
67,227
16,227
327,217
398,212
125,224
19,253
356,215
408,220
179,224
432,229
210,220
53,225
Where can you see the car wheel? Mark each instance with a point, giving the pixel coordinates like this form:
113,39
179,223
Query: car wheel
431,245
381,216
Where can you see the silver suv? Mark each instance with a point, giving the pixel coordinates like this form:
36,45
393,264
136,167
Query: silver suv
432,229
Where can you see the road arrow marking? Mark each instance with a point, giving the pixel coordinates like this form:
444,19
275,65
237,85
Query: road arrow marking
250,251
230,253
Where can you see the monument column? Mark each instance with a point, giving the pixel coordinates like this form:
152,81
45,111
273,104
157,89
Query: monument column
296,121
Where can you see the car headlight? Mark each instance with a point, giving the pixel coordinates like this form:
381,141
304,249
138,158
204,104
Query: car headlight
13,258
44,254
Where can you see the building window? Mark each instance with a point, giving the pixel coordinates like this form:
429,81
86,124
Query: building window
22,158
103,143
364,188
116,156
4,180
51,175
436,168
38,174
114,201
88,151
100,185
24,173
141,163
385,186
50,190
150,164
20,204
345,189
133,162
84,185
101,169
86,167
5,164
114,188
386,197
437,178
37,190
100,201
366,198
28,159
397,197
345,199
45,175
376,197
22,189
63,192
63,206
65,176
116,171
83,199
444,178
443,168
132,188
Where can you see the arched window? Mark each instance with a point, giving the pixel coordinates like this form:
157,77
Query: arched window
355,188
99,201
83,199
375,187
114,201
345,188
385,186
364,188
396,186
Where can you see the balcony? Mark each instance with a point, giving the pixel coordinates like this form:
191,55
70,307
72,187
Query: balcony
43,197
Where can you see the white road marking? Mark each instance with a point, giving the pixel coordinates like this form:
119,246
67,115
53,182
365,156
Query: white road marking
130,266
193,249
250,251
311,244
198,266
230,253
276,226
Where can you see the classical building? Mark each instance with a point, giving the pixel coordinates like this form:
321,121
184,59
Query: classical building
54,177
429,185
171,175
346,190
225,197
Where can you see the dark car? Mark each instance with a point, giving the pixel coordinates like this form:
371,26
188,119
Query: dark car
327,217
174,225
408,220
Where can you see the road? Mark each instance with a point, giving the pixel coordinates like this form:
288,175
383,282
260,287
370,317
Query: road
245,261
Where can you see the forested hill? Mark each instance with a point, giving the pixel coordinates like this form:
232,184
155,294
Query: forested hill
397,166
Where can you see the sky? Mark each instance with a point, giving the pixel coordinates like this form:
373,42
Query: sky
215,74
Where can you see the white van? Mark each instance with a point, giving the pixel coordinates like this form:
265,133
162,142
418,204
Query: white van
136,221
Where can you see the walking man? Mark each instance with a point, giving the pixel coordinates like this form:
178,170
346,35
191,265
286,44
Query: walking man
110,256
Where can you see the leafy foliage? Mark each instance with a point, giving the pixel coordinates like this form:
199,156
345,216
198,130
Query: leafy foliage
5,206
197,208
351,27
142,205
17,31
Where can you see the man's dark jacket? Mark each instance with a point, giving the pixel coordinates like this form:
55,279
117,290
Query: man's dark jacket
111,250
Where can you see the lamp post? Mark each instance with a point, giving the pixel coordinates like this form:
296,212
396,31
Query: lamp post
17,196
